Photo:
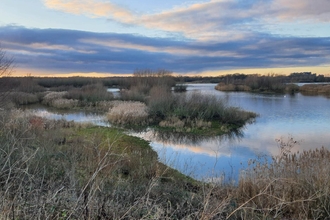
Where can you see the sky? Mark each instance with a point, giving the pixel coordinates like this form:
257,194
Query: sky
195,37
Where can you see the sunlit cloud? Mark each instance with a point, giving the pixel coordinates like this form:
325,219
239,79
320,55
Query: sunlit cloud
91,8
217,20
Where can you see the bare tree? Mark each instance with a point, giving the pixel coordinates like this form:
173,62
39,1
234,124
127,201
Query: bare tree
6,67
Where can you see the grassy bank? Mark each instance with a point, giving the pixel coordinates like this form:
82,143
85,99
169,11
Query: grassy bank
62,170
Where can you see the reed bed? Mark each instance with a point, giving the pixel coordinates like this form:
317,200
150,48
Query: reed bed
291,186
315,89
128,113
51,96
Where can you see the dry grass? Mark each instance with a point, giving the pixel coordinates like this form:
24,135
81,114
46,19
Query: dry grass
291,186
232,87
65,103
23,98
315,89
56,170
128,113
51,96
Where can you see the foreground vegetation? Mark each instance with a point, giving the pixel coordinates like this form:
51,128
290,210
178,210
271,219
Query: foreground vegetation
62,170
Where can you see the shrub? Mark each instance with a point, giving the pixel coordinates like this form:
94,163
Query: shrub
22,98
90,93
256,83
180,88
135,93
160,102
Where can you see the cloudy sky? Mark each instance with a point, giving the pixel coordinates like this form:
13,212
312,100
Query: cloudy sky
210,37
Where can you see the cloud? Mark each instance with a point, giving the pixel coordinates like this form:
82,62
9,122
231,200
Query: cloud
91,8
214,20
65,51
301,9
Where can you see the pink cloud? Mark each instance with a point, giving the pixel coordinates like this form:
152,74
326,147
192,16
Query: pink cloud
213,20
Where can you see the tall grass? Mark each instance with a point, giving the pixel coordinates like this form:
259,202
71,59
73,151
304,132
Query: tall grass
194,109
60,170
315,89
291,186
128,113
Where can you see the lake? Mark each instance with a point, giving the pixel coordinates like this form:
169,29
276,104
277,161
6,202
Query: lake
304,118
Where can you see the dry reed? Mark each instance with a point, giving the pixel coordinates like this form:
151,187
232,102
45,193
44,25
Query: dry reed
128,113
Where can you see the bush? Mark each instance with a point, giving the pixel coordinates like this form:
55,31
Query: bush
180,88
90,93
255,83
160,102
22,98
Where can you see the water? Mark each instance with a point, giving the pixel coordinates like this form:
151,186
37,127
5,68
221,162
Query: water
70,115
304,118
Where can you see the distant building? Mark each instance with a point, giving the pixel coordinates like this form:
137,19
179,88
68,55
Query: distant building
303,77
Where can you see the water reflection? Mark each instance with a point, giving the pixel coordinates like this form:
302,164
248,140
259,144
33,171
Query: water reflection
70,115
182,138
305,118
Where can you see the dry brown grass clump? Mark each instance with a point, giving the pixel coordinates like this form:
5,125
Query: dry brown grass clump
292,186
50,97
65,103
232,87
57,100
128,113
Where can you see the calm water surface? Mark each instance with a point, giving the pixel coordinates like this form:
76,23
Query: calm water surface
304,118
